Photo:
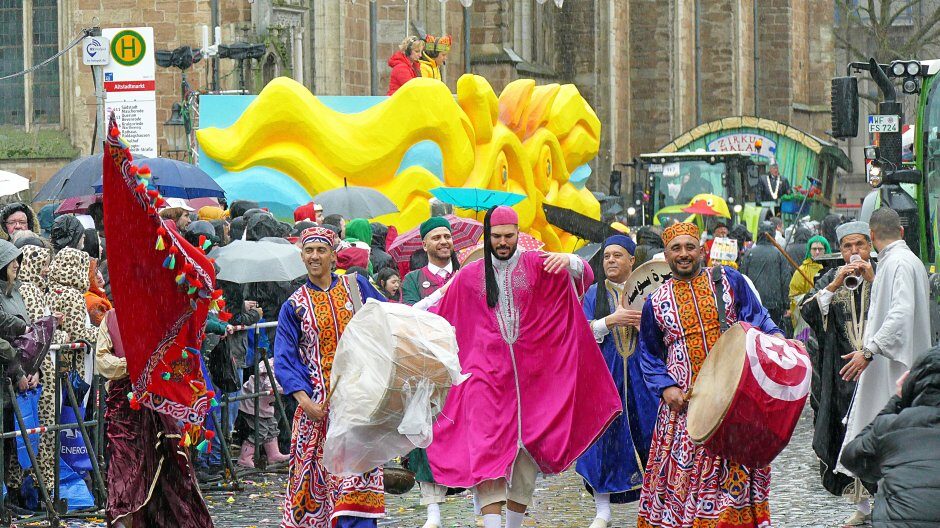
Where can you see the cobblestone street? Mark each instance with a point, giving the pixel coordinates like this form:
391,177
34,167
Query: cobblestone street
797,499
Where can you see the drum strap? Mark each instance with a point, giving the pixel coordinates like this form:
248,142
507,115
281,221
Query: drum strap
717,276
355,295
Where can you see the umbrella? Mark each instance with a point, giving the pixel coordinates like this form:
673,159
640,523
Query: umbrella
77,204
245,261
594,255
355,202
476,199
78,178
12,183
700,208
466,232
579,225
177,179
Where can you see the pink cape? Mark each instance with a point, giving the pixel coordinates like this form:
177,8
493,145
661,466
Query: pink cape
568,397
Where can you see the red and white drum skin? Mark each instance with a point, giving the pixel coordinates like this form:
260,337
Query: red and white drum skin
749,395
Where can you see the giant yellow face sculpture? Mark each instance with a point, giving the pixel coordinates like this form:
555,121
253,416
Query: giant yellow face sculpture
529,141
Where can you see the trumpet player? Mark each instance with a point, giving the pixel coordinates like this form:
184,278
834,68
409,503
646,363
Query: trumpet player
837,312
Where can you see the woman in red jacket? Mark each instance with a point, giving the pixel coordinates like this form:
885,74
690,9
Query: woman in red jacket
404,63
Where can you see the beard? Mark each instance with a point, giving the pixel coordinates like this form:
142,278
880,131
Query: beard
678,274
512,251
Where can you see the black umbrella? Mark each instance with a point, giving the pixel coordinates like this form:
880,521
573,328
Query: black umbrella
78,178
577,224
594,256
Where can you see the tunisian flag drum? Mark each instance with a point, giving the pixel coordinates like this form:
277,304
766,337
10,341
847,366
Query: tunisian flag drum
749,395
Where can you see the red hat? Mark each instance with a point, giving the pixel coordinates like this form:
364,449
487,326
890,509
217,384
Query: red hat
307,211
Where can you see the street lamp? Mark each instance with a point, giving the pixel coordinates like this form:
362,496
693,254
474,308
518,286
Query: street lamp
175,130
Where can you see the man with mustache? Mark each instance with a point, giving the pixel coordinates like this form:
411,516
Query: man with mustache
684,486
309,328
539,392
417,285
612,468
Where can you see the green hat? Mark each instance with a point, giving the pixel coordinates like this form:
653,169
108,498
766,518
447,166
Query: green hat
433,223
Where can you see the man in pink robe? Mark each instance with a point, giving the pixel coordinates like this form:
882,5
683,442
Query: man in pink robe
539,393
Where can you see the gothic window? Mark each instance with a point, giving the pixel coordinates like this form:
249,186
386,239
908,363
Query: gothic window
34,97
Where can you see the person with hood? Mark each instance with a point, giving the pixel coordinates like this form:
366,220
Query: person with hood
359,237
46,219
378,257
18,216
434,56
262,224
899,450
14,318
33,288
309,212
404,63
828,228
816,247
770,272
67,232
797,245
210,213
238,208
68,282
28,238
649,242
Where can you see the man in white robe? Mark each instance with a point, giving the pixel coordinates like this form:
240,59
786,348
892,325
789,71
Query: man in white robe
898,327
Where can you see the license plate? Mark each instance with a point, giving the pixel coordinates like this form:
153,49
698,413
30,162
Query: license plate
883,123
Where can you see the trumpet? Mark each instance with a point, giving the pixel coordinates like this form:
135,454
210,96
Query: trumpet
852,282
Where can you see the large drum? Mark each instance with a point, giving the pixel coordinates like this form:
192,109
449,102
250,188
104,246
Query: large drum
749,395
392,371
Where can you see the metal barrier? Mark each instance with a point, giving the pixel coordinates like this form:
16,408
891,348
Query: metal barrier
56,508
93,433
233,473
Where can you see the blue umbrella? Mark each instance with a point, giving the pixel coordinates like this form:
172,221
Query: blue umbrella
177,179
78,178
476,199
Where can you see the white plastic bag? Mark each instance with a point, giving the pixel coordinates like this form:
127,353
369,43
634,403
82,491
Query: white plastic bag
393,368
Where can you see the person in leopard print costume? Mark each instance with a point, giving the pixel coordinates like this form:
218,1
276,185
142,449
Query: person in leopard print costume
34,289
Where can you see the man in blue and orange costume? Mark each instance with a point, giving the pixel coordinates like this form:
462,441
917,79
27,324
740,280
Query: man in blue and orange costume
684,486
310,324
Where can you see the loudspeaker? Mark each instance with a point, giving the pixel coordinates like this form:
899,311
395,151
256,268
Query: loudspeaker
844,107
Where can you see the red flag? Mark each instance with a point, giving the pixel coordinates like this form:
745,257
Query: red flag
163,289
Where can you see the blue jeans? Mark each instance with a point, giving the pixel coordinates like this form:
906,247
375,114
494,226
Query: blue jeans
214,458
346,521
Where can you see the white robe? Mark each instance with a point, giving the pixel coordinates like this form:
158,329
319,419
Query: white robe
897,331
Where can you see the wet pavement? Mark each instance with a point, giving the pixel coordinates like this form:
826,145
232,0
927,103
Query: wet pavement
797,499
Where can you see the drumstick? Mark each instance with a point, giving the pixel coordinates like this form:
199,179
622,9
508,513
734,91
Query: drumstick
788,257
330,394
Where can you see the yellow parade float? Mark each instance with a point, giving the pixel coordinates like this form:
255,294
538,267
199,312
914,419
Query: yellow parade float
531,140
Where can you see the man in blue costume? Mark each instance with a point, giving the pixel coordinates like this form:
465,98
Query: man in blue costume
613,467
310,325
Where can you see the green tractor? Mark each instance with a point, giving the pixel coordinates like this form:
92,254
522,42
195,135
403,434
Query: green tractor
672,181
907,179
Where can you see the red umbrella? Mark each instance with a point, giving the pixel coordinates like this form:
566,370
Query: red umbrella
466,232
77,204
701,207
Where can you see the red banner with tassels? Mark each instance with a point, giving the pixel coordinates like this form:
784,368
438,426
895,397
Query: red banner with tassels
163,289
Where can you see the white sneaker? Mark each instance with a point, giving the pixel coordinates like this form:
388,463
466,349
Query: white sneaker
857,519
598,523
429,524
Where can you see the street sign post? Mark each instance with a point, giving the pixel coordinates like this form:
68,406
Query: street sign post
130,82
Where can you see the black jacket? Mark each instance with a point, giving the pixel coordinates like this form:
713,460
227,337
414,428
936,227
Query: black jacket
901,448
378,256
770,272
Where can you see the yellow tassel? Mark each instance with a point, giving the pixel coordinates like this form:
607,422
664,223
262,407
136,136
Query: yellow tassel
160,246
